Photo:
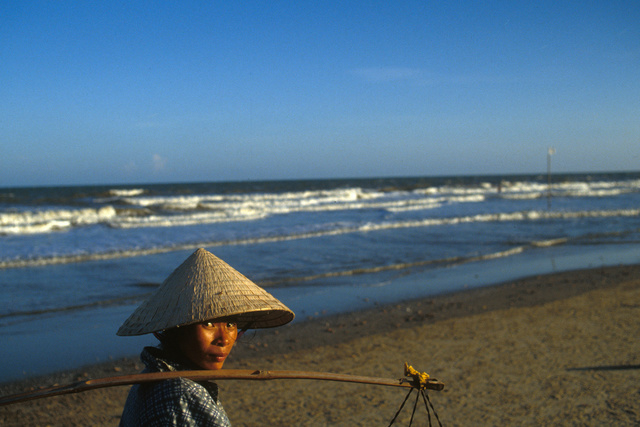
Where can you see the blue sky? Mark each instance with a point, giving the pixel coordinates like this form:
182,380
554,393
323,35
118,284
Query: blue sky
105,92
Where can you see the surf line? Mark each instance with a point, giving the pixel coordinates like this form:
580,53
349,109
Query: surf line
364,228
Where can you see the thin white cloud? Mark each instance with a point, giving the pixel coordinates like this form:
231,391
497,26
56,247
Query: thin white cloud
159,162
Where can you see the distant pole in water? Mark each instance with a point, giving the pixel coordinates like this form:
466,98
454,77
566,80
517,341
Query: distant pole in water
550,153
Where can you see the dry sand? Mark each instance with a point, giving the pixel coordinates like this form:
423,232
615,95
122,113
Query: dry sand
561,349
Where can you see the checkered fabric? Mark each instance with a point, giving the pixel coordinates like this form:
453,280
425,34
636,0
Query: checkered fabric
176,402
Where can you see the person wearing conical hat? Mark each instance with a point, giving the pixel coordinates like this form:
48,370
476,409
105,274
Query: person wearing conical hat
196,314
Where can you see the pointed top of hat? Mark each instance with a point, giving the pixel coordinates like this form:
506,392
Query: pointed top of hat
206,288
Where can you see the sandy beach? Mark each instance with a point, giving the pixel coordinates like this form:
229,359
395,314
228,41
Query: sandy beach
559,349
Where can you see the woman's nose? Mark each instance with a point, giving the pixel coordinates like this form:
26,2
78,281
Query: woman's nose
222,337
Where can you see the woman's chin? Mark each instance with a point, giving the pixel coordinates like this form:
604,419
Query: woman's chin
212,365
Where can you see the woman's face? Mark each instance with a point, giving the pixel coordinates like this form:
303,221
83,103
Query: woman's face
208,344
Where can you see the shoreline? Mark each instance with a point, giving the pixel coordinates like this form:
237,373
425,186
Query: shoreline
84,337
373,341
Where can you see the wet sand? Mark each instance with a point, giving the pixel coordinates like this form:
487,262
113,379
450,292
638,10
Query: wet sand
559,349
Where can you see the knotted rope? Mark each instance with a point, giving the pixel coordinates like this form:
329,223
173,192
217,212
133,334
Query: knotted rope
420,378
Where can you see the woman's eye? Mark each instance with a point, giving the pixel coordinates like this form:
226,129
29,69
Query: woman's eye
230,325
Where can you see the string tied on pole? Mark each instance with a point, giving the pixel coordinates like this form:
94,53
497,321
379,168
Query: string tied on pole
419,378
419,381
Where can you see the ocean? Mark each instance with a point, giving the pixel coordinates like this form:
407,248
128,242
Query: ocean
75,261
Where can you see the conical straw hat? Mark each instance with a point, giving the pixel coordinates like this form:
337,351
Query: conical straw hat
206,288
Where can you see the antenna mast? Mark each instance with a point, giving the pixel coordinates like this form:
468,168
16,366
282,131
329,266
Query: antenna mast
550,152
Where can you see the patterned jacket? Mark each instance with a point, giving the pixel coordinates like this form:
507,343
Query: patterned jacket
175,402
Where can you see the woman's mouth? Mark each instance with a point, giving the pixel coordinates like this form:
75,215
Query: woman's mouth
218,357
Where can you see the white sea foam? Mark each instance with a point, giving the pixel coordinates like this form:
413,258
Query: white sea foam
551,242
338,230
126,192
185,210
523,196
499,217
32,222
234,208
288,199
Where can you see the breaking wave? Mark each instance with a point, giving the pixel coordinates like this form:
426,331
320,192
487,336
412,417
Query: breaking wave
134,208
362,228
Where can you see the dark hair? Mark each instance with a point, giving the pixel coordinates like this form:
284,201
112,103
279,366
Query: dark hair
169,339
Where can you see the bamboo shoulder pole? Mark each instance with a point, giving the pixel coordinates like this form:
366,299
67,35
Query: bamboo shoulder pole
223,374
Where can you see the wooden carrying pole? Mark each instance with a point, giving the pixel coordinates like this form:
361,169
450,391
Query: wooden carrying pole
223,374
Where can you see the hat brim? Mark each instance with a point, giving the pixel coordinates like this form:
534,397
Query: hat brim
205,288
